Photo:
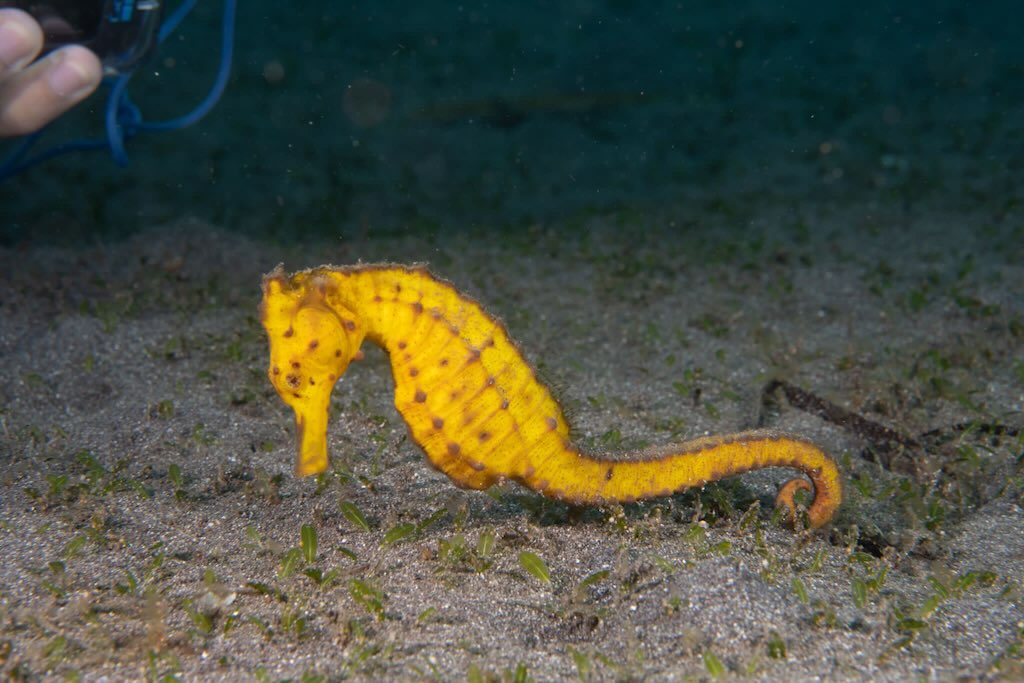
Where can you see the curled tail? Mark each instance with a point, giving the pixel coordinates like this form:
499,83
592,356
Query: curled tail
588,479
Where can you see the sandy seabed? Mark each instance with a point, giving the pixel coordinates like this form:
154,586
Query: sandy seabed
669,211
148,512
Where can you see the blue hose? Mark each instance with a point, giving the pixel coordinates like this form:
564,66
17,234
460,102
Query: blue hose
122,118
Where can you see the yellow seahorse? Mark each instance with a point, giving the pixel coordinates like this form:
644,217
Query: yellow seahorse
472,402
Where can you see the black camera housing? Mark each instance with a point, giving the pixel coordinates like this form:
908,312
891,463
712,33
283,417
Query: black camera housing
120,32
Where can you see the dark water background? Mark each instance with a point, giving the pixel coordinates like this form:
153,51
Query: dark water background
363,119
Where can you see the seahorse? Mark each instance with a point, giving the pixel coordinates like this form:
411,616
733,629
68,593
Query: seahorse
474,404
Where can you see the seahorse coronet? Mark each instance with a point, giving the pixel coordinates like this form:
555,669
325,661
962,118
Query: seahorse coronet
473,403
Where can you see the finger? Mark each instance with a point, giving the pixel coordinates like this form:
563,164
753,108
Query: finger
40,93
21,39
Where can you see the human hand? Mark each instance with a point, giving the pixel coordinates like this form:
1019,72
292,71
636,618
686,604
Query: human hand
33,93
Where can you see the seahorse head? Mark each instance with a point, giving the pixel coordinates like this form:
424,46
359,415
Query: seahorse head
313,338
